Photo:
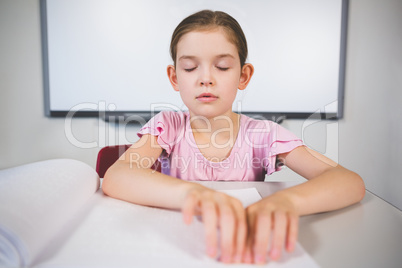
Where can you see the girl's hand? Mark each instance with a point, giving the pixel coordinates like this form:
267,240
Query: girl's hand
218,211
272,224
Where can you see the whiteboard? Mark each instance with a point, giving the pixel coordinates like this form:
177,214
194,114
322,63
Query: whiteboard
111,55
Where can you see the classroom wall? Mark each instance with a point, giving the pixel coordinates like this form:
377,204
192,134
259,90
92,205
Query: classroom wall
367,140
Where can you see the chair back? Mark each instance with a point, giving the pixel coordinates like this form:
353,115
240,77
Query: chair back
107,156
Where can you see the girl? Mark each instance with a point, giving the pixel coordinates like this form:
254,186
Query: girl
210,142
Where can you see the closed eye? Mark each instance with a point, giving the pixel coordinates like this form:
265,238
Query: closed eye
189,69
222,68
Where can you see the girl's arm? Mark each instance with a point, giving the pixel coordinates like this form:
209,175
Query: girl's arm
330,186
131,179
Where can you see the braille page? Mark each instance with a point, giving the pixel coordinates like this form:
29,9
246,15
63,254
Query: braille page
114,233
246,196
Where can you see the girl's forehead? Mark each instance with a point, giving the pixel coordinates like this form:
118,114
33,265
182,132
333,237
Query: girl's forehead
216,33
204,41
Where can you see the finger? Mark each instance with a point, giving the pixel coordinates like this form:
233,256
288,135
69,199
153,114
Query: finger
227,221
279,234
188,208
261,236
248,253
292,232
241,234
209,215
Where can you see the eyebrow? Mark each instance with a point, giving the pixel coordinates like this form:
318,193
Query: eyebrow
184,57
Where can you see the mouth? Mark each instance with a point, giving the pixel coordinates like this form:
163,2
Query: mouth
206,97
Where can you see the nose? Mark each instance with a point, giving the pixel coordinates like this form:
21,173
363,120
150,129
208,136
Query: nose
206,78
206,82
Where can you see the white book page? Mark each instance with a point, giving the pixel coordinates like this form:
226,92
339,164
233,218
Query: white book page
246,196
115,233
36,200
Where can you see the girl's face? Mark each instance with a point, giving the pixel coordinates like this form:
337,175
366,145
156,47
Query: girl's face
208,73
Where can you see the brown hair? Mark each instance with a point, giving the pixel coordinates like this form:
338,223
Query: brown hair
207,20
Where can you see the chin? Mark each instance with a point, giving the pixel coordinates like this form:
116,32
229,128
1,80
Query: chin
211,114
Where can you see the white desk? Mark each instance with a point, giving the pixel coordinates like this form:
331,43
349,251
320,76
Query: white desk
112,233
367,234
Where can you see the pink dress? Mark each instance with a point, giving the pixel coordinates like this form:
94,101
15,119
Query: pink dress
252,156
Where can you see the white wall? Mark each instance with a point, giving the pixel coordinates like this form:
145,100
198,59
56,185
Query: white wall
26,134
367,140
371,133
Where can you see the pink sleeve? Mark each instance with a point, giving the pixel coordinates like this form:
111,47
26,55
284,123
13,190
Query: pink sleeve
280,141
167,126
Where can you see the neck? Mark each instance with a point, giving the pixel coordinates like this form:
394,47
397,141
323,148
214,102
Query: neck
226,125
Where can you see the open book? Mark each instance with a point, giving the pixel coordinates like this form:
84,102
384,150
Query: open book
53,214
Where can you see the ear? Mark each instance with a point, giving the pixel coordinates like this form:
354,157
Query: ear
246,74
171,72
